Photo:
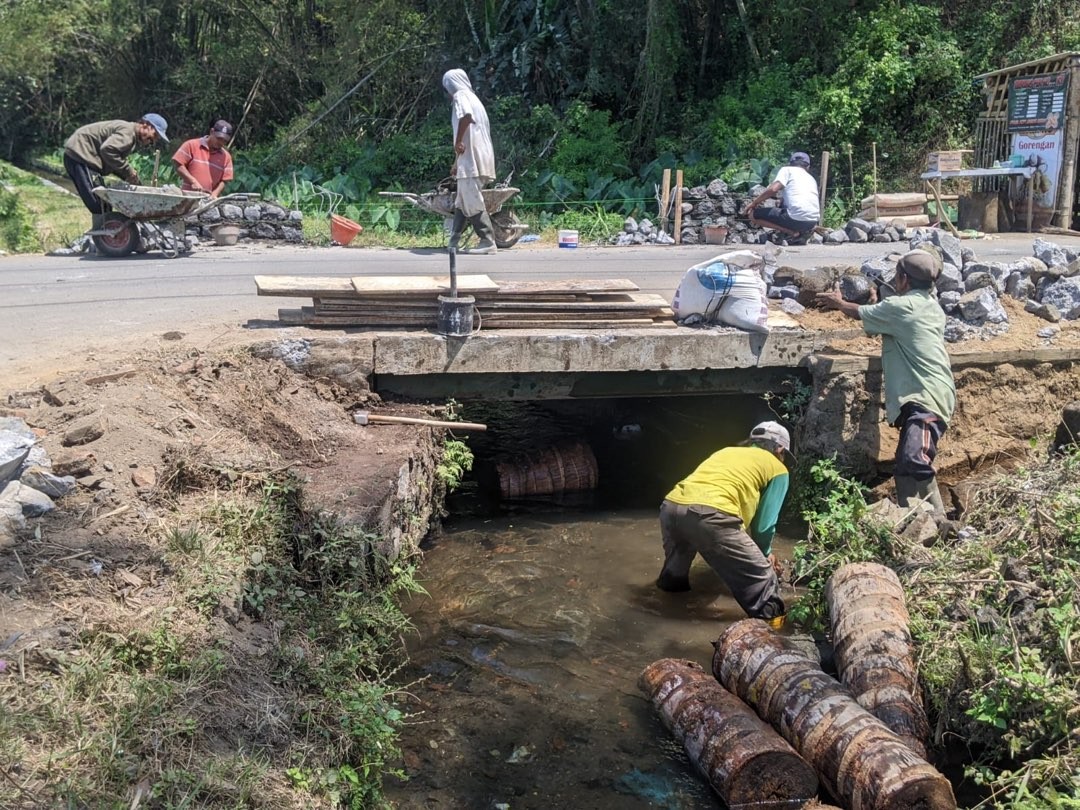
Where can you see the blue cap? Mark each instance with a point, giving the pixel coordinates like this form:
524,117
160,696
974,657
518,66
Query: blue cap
800,157
158,123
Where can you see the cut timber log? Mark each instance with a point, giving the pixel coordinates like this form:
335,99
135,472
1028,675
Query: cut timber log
873,648
743,759
863,764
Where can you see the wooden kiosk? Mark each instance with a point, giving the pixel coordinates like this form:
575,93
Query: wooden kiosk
1033,110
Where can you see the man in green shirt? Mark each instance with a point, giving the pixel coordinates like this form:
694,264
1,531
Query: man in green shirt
726,511
920,395
102,148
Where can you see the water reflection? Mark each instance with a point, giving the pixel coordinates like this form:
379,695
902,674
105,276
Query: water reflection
525,666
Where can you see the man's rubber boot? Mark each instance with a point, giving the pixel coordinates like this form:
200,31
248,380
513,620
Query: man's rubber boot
481,223
927,489
906,491
457,228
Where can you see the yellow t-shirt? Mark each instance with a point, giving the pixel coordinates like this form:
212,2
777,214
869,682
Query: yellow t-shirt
730,480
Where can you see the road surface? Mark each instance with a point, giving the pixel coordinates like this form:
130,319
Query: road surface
57,313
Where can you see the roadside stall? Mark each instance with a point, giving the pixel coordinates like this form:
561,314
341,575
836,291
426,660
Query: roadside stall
1025,150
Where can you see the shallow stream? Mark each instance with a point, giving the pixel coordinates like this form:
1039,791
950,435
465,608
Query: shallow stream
524,666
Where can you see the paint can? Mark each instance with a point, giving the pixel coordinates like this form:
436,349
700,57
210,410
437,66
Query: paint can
456,315
568,239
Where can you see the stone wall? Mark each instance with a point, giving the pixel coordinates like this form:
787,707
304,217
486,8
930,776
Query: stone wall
256,220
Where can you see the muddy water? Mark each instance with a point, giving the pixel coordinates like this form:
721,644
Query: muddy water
525,663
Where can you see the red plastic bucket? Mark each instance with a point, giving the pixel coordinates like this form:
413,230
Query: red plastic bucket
343,230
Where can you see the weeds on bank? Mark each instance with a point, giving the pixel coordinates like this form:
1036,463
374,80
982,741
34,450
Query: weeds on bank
261,672
995,621
34,216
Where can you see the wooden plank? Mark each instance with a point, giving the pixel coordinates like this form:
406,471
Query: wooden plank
570,285
545,317
305,286
305,316
420,285
678,206
640,301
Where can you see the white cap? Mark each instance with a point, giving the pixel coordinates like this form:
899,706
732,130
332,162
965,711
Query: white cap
775,431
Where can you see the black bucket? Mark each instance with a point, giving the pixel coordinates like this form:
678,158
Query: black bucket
456,315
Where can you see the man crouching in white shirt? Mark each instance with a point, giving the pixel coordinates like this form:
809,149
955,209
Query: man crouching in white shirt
799,212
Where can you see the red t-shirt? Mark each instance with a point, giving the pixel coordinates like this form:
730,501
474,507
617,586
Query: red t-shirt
208,166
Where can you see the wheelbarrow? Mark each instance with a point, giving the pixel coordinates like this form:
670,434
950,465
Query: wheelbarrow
140,218
504,222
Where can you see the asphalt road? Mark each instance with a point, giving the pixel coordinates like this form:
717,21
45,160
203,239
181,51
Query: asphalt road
59,312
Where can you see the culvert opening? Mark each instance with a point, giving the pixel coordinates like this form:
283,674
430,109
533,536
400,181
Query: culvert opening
619,453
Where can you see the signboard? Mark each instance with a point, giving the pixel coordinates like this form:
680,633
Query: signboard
1042,150
1037,103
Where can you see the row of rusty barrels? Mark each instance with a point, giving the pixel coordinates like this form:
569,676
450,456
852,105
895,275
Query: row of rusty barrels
767,726
568,467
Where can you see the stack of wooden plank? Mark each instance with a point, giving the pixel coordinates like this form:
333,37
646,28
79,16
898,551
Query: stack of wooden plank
412,302
909,208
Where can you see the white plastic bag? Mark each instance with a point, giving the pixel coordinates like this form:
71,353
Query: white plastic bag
727,289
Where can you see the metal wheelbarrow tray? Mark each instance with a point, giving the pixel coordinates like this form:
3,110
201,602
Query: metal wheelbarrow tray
139,215
505,224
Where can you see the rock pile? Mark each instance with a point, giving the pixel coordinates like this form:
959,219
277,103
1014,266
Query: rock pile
970,291
28,482
256,220
718,208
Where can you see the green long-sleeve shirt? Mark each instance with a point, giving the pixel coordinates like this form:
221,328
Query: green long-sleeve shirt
104,146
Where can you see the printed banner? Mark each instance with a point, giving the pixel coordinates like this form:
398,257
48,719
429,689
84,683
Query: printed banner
1045,152
1037,103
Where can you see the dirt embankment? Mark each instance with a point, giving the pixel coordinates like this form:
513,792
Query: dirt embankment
127,565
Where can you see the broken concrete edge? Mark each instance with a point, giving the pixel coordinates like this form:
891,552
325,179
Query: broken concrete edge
826,364
352,360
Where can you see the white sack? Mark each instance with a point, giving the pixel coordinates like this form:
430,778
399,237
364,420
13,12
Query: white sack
727,289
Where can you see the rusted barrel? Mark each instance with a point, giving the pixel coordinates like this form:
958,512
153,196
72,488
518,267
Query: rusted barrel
564,468
743,759
862,763
873,648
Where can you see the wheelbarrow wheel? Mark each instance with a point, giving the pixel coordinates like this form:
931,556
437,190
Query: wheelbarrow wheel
504,224
121,237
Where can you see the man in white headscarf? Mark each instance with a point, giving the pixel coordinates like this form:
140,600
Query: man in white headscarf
474,161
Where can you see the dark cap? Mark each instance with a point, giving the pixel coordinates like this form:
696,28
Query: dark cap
222,128
920,265
800,157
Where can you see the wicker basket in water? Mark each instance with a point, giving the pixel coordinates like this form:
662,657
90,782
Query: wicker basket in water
563,468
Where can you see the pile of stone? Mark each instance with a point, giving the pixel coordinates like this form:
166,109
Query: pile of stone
256,220
718,208
28,482
970,291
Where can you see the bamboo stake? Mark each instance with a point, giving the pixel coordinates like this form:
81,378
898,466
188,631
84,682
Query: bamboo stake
873,148
665,200
157,161
678,206
851,172
824,185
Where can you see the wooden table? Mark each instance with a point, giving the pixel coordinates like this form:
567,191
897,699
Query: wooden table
933,181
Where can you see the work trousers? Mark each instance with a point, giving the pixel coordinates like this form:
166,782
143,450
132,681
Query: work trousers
85,180
469,199
920,431
719,538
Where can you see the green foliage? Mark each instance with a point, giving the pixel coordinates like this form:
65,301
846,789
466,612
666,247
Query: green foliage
790,404
833,506
457,459
595,225
17,232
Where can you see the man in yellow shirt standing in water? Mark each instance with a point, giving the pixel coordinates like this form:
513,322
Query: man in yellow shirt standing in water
726,511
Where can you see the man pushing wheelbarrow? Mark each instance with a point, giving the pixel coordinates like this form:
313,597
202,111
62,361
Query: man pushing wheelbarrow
474,162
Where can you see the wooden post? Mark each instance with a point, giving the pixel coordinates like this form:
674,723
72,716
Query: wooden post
665,200
851,172
678,207
1031,197
157,160
1071,142
873,148
824,185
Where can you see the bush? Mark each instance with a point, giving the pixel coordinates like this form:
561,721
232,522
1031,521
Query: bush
17,232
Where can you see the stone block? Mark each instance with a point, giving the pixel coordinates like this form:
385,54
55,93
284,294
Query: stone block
981,306
231,212
837,237
1050,253
950,280
950,300
31,502
1048,312
84,431
252,213
1063,294
43,480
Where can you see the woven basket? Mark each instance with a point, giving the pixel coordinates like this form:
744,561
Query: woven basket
563,468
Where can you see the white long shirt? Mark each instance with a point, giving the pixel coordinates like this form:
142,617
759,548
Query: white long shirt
478,159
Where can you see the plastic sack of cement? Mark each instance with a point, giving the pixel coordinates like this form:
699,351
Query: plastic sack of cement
726,289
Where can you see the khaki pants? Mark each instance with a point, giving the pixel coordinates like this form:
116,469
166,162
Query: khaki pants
719,538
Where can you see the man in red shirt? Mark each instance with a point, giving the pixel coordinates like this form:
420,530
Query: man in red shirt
203,163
